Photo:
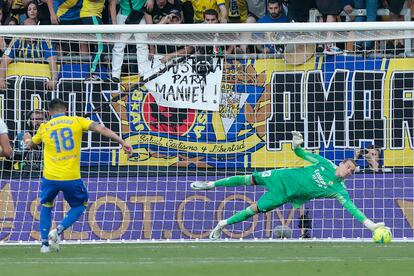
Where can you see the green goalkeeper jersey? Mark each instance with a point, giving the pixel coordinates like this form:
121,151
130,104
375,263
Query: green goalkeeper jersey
318,180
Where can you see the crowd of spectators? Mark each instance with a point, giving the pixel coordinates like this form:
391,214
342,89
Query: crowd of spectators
75,12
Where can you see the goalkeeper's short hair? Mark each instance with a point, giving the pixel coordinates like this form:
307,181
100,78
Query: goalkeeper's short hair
351,160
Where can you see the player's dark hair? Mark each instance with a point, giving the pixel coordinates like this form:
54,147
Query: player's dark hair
57,104
210,12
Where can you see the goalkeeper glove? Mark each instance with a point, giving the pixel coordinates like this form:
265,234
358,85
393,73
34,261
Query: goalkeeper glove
297,139
372,225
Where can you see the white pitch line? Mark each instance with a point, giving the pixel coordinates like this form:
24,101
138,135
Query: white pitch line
183,261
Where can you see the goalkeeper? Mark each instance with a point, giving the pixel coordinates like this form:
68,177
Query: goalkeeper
62,138
322,179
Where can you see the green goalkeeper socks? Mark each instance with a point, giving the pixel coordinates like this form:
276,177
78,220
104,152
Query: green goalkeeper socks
241,216
233,181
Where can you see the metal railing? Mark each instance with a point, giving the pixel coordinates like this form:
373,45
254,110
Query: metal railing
406,13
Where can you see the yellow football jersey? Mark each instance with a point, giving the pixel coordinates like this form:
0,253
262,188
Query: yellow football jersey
92,8
237,10
200,6
62,140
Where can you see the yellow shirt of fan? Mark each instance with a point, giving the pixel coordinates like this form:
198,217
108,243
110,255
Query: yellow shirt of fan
92,8
200,6
62,140
237,10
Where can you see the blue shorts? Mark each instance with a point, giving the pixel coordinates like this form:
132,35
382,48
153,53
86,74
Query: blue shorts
74,192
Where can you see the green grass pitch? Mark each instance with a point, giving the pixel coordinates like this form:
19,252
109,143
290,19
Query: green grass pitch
212,258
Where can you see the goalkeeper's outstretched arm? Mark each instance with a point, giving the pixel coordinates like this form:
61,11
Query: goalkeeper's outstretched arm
354,211
297,141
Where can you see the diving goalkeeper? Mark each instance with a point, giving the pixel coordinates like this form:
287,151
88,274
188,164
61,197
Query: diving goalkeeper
322,179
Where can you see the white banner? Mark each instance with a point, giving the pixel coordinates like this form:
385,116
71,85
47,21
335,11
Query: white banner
194,83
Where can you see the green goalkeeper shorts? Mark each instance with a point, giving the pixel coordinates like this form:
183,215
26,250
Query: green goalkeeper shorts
274,197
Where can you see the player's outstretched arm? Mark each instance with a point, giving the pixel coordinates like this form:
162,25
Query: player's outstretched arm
353,210
297,141
103,130
372,225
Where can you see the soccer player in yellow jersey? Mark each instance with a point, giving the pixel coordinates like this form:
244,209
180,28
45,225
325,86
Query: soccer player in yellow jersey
62,138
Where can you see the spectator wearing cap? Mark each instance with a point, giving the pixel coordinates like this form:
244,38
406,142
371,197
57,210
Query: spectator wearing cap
172,51
161,9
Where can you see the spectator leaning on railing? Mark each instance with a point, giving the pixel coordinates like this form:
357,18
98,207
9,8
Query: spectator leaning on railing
162,9
172,51
130,12
29,49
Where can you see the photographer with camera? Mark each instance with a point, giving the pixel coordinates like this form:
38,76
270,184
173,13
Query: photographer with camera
371,158
130,12
29,161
